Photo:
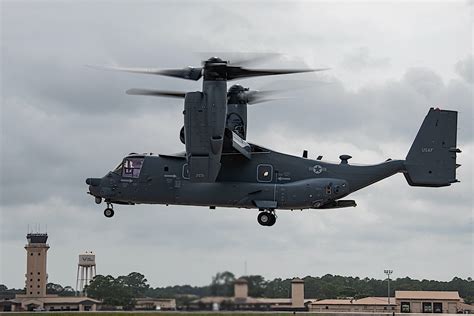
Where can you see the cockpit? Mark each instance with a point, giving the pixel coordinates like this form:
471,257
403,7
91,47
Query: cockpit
130,167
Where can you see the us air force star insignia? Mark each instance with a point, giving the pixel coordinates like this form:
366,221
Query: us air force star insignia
317,169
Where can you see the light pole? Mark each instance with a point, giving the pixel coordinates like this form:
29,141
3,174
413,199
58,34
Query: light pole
388,272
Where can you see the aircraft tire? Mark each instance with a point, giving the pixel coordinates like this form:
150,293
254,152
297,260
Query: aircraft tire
108,212
272,219
263,218
266,219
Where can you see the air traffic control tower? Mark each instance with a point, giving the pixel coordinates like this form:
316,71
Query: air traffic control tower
35,297
36,276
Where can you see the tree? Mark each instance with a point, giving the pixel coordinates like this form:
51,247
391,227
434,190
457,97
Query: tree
278,288
136,282
223,284
111,291
257,285
68,291
53,288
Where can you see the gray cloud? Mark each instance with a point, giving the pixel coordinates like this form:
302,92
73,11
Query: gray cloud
465,68
391,110
361,59
62,122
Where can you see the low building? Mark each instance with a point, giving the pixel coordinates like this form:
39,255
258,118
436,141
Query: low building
464,308
241,300
148,303
366,304
404,302
54,303
428,301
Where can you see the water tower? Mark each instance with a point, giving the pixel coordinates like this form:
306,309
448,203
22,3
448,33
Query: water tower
86,270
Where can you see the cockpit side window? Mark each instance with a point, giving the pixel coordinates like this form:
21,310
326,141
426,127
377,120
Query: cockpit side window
132,167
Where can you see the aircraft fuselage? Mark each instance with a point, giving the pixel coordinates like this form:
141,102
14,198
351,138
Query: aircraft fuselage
270,180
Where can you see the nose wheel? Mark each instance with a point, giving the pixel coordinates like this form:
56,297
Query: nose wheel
109,211
266,218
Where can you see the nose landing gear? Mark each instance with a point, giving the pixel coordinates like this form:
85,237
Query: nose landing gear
266,217
109,211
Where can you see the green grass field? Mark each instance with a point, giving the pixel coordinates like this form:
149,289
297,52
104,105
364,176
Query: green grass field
147,313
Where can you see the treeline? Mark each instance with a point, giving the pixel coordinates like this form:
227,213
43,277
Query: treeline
51,288
135,285
123,290
327,286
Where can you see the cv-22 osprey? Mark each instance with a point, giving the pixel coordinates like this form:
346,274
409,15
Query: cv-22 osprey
220,168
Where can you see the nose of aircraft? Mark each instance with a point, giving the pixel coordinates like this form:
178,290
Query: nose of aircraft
93,181
94,184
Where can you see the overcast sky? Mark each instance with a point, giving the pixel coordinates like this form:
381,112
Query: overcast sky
62,122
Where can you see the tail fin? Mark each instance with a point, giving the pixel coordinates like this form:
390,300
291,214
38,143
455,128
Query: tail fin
431,161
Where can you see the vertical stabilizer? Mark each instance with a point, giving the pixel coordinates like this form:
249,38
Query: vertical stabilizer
431,161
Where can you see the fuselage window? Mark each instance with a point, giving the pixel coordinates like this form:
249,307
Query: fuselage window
132,167
264,173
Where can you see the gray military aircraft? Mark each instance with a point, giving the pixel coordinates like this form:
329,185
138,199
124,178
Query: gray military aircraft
221,169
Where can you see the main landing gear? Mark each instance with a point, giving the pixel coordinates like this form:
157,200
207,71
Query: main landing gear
109,211
266,217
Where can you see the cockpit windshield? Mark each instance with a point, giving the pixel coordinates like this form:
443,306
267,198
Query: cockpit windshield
118,169
131,167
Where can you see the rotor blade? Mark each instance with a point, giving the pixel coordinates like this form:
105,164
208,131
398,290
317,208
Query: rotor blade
238,72
190,73
257,96
252,58
265,99
240,58
266,96
157,93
